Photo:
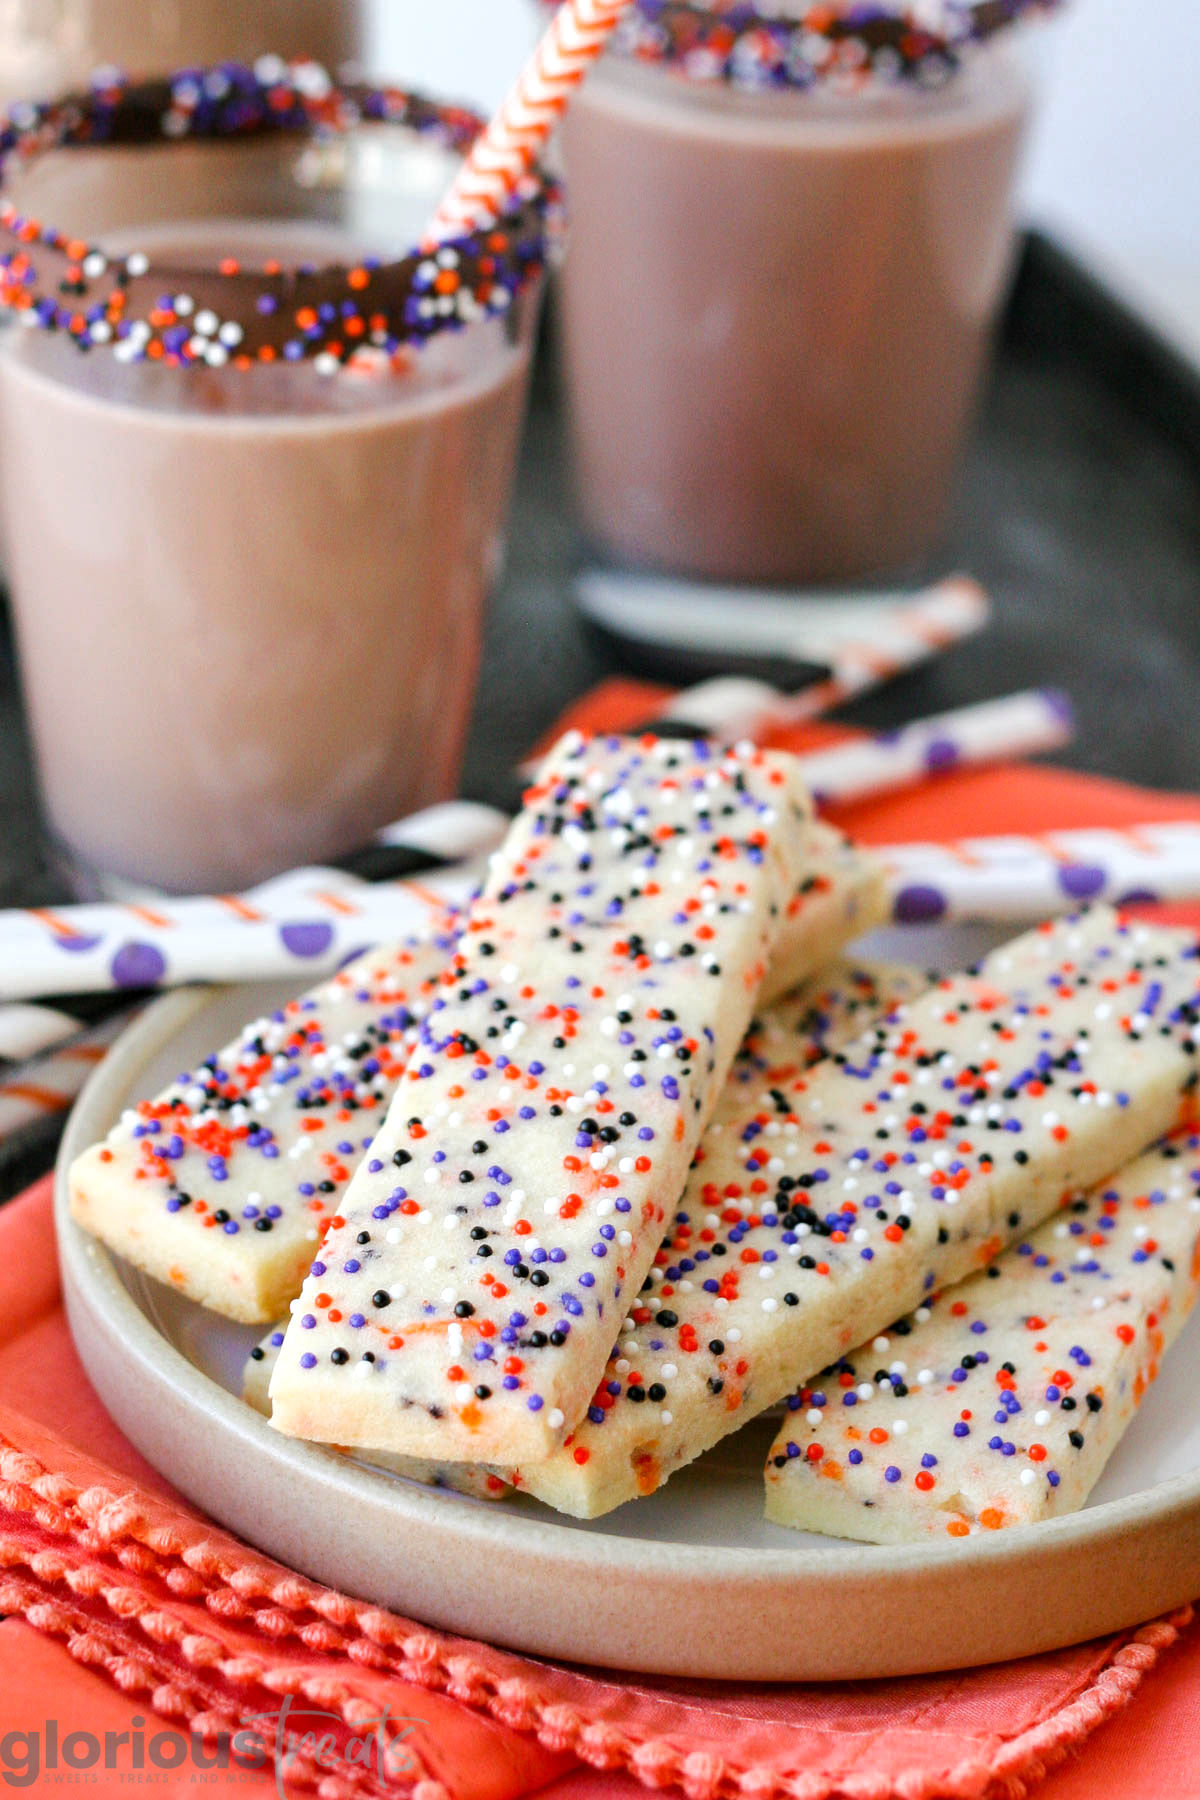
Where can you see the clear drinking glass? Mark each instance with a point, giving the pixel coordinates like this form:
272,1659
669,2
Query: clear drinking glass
776,311
248,604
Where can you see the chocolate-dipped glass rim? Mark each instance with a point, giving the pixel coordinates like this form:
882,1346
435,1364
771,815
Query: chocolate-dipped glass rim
241,316
845,45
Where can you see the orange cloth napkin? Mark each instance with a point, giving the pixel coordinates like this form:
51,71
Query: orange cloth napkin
140,1632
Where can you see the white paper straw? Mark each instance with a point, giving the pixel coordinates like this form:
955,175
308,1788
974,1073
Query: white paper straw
1017,726
454,832
863,640
1001,879
305,924
27,1031
47,1085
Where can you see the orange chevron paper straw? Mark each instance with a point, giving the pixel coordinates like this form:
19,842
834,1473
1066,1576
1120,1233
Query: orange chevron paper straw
577,35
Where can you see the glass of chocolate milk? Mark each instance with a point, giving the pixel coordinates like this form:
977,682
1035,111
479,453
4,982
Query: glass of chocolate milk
48,46
776,310
248,600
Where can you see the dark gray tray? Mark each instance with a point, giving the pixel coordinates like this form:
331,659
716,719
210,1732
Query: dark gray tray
1080,513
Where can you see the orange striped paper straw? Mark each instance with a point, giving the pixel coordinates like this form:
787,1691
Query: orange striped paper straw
577,35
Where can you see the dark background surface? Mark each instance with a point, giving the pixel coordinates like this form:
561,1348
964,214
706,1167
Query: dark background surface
1080,513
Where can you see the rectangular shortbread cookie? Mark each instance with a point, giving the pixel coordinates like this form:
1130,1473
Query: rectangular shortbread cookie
223,1185
331,1060
1000,1403
543,1130
830,1202
811,1022
842,894
460,1478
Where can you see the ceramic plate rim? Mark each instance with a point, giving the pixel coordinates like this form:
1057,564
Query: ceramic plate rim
90,1269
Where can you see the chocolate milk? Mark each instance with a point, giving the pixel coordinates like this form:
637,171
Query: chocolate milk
49,45
776,311
249,604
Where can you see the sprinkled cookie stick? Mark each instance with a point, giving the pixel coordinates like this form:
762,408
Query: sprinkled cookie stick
222,1185
838,898
543,1131
833,1201
828,1010
842,895
1000,1402
462,1478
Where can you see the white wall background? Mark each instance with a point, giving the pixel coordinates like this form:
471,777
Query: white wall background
466,49
1115,161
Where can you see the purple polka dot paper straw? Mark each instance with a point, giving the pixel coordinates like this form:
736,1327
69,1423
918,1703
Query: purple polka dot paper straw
309,922
1019,725
1001,879
305,924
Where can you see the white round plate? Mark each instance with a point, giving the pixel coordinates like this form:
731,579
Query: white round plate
691,1582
